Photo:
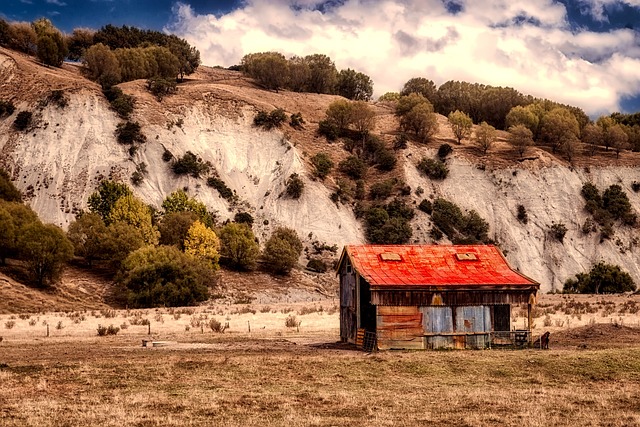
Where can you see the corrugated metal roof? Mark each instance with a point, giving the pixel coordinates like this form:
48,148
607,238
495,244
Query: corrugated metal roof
433,265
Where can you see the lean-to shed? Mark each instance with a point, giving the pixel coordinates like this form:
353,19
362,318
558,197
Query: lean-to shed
431,296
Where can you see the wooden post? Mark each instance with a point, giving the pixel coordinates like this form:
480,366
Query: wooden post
47,329
529,317
249,326
149,329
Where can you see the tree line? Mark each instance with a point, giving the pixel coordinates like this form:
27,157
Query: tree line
110,54
159,258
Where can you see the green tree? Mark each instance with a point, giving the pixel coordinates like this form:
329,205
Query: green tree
322,164
174,227
23,37
8,235
485,136
102,65
8,191
389,97
239,248
294,186
460,124
299,74
422,86
269,69
179,201
592,135
322,73
354,85
525,116
51,49
559,127
362,117
617,138
108,193
78,42
602,278
520,137
421,121
15,218
164,276
133,211
45,250
120,240
339,114
87,234
202,242
282,250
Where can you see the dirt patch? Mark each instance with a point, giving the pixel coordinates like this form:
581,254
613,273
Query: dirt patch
597,336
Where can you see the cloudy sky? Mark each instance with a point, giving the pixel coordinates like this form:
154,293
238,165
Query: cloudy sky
580,52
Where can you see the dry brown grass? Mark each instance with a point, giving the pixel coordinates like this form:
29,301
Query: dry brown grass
246,382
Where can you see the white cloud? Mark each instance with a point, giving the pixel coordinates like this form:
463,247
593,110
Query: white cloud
526,46
56,2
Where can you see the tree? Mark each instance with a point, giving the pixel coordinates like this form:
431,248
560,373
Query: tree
202,242
179,201
101,65
164,276
190,164
389,97
174,227
520,137
602,278
421,121
8,235
15,218
133,211
362,117
299,74
485,136
520,115
617,138
592,135
8,191
23,37
559,127
51,49
120,240
269,69
87,234
78,42
108,193
45,249
422,86
294,186
282,250
339,114
322,164
407,102
238,246
354,85
460,124
322,73
130,133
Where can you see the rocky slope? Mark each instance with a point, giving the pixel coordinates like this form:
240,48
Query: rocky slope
59,162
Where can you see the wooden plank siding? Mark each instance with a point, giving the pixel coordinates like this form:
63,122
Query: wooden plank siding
348,316
399,327
451,298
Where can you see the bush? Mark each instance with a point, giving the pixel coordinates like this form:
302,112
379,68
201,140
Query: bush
558,231
167,155
224,191
381,190
107,330
216,326
23,120
522,214
282,250
317,265
328,129
161,87
434,169
120,103
400,142
296,121
8,190
602,278
353,167
294,186
130,133
190,164
444,150
238,246
426,206
271,120
6,108
243,218
291,321
635,186
459,228
385,160
164,276
322,164
389,224
57,98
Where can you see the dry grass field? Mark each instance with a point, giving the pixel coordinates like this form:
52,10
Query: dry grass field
300,376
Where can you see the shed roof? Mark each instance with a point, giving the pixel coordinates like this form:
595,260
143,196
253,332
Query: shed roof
424,266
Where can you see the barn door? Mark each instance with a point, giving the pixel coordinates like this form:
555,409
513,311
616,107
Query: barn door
474,320
438,320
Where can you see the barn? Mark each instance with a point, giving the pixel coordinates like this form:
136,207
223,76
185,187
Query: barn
431,297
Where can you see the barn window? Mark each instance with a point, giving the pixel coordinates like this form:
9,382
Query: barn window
348,267
466,256
390,256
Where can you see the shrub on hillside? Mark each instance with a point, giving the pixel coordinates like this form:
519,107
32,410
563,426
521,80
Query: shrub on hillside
121,103
353,167
460,228
243,218
602,278
161,87
317,265
389,224
322,164
23,120
426,206
522,214
6,108
296,121
444,150
381,190
130,133
282,250
224,191
434,169
8,190
238,246
294,186
271,120
328,129
190,164
558,230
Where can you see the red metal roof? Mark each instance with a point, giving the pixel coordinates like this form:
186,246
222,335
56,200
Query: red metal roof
433,265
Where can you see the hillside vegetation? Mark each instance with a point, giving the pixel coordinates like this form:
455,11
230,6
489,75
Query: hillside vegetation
459,163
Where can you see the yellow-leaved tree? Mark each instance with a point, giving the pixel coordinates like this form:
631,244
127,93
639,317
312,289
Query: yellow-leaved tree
202,242
133,211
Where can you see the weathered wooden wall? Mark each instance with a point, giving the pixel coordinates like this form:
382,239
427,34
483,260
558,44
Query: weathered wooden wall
451,298
348,314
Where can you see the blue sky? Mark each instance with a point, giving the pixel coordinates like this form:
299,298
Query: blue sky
580,52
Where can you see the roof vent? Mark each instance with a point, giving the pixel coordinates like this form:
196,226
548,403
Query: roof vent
466,256
390,256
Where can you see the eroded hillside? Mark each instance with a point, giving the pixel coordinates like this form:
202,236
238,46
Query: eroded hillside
60,161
